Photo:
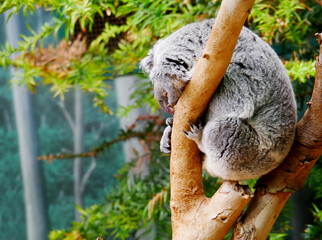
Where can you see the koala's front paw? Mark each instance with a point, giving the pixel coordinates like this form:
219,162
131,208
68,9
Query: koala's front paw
195,132
165,143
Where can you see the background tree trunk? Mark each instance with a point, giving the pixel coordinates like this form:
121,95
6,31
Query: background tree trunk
78,148
37,225
124,88
77,128
132,147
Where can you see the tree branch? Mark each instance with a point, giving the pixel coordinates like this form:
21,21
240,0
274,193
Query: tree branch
275,188
88,174
62,106
130,132
97,132
193,215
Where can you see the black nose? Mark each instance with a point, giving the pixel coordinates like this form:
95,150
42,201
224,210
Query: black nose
164,95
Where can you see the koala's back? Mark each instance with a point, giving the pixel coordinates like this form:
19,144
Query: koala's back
255,87
252,115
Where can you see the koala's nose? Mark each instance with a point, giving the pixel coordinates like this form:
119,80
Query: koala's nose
165,99
164,95
168,99
173,97
161,95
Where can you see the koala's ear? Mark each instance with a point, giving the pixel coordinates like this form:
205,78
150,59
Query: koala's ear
146,63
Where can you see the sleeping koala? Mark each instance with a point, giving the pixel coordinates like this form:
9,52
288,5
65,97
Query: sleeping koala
249,125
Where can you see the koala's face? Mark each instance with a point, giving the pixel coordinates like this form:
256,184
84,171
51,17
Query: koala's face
167,90
169,70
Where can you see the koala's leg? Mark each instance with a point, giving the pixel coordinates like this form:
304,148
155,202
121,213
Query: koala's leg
232,148
165,143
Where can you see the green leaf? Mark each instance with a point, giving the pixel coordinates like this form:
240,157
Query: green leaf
80,210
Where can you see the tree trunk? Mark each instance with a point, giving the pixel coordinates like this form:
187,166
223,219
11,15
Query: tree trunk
78,148
37,226
76,126
193,215
131,147
123,86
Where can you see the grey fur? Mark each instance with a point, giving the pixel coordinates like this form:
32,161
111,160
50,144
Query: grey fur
249,125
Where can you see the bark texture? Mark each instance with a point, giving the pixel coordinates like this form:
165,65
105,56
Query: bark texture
275,188
193,215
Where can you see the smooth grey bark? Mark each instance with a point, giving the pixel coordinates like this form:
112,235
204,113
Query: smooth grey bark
36,217
124,88
77,128
78,148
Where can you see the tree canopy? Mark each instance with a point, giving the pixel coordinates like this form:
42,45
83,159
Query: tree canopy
137,25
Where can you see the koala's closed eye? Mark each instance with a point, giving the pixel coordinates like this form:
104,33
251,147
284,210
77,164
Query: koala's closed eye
178,62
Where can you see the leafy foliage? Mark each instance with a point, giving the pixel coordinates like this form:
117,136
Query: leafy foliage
96,60
141,97
314,231
283,22
280,20
125,210
300,70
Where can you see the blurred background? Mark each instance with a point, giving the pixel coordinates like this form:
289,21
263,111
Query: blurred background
79,128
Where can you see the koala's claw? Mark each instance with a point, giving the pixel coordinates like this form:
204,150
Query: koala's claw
195,132
169,121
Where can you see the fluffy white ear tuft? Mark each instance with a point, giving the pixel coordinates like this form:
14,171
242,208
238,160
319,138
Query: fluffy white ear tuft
147,63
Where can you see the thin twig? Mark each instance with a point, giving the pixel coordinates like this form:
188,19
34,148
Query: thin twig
95,151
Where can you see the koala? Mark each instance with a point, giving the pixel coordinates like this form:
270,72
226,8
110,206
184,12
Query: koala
249,125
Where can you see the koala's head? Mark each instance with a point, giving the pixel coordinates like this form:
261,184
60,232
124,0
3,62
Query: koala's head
169,68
